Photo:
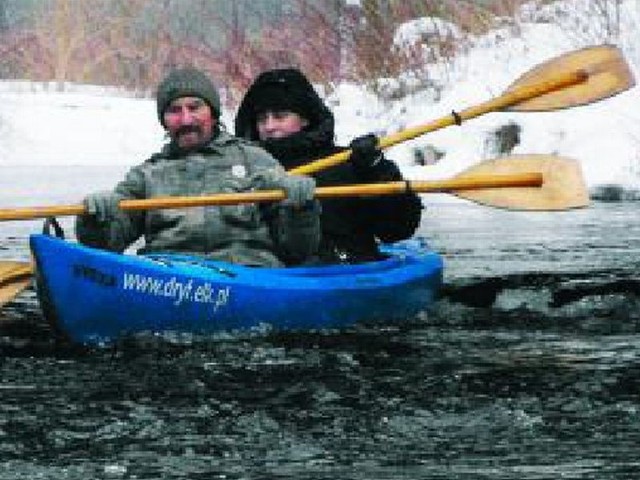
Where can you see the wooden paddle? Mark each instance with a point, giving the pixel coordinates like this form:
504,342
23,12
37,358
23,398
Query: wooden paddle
525,182
14,278
554,183
575,78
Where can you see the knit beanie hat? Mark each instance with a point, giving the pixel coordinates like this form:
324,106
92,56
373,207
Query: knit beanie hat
186,82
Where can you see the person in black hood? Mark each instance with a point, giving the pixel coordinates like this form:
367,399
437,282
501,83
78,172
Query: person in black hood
282,111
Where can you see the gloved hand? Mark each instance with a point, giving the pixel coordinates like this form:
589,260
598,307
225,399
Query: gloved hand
102,205
365,153
299,188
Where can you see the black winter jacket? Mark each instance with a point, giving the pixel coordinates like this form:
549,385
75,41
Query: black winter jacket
351,227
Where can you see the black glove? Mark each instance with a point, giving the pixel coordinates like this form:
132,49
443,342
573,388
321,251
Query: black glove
365,153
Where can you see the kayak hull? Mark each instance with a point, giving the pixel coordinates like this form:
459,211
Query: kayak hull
96,297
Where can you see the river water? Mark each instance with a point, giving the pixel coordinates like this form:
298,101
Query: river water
528,367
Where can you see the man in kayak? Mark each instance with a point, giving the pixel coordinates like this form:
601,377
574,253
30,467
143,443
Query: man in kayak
284,113
199,159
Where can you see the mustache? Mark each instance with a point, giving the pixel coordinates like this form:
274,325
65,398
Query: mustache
188,129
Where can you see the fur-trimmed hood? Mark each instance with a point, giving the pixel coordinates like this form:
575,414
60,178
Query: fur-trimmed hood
287,89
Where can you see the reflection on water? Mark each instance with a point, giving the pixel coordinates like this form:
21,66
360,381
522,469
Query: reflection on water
527,368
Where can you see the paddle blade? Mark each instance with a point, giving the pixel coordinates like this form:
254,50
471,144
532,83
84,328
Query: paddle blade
14,278
563,185
606,73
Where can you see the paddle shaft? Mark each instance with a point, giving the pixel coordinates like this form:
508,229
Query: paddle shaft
389,188
507,99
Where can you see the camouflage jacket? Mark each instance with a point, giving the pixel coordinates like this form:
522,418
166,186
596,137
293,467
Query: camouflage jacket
249,234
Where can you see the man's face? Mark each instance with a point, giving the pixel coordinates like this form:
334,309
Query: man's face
189,121
279,124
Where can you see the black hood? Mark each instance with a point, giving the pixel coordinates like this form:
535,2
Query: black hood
287,89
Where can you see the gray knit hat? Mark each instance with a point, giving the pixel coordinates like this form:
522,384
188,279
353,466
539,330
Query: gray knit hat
186,82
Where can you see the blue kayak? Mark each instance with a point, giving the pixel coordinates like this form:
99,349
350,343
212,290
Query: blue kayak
95,297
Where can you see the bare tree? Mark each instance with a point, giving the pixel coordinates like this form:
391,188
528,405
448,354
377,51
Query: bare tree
3,15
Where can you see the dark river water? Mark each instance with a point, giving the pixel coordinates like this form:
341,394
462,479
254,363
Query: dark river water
528,367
